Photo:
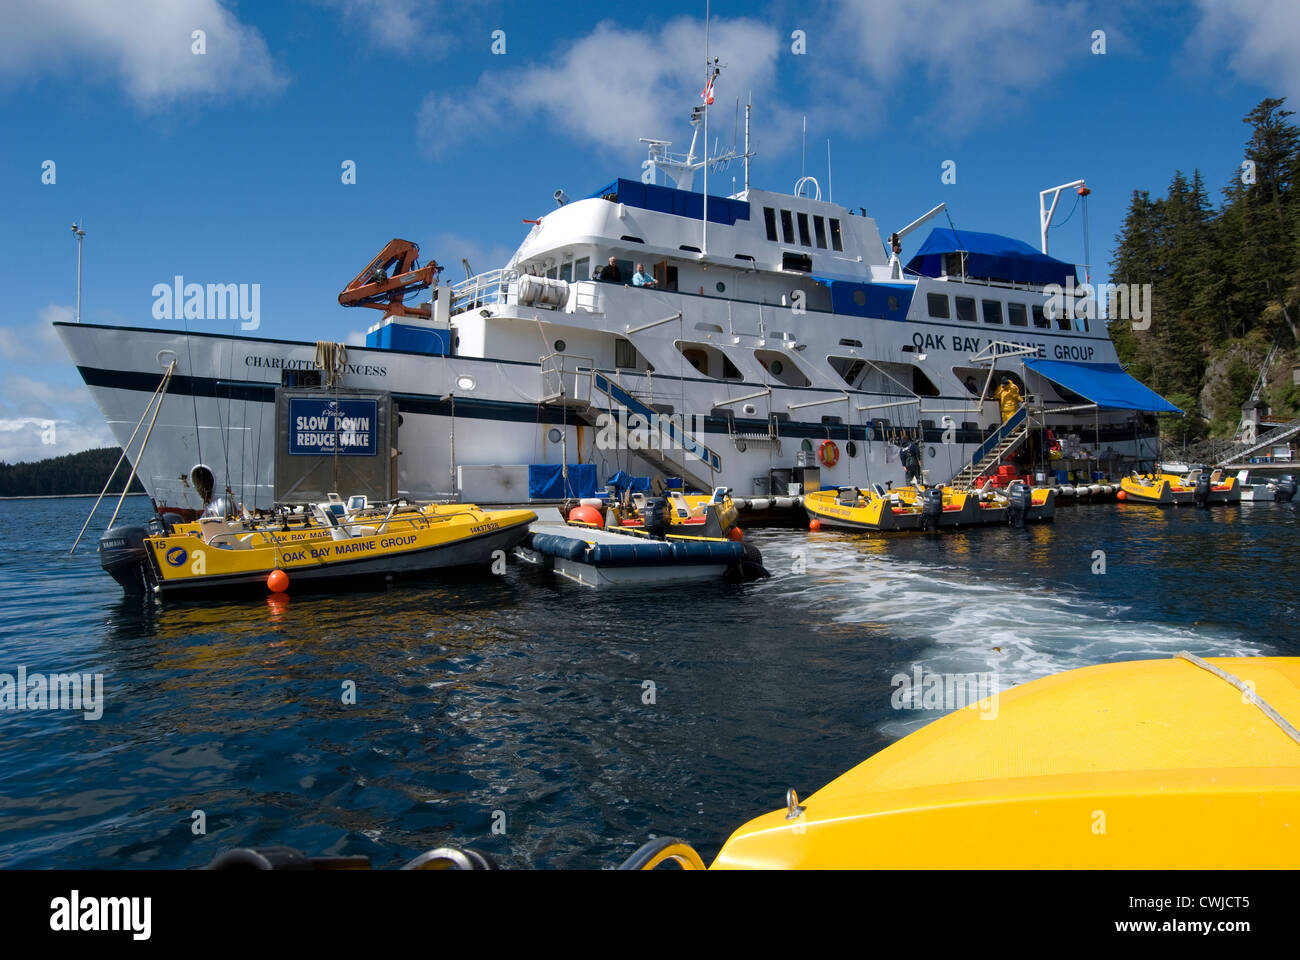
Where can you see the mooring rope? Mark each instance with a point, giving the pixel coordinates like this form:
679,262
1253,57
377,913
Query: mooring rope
1248,690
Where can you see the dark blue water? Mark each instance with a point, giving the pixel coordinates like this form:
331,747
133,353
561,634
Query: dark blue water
518,700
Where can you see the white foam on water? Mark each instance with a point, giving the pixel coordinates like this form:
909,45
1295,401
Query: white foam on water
963,621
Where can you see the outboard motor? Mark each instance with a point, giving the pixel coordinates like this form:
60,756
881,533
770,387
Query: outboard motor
1202,489
749,568
1285,489
1020,498
161,524
123,555
931,508
656,518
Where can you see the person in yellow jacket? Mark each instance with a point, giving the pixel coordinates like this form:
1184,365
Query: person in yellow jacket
1008,397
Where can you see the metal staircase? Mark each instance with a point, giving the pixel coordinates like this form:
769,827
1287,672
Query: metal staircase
1003,441
1276,435
573,383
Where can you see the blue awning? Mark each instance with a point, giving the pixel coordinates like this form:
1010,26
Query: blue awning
1105,384
990,256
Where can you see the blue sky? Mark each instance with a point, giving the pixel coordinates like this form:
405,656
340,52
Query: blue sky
225,167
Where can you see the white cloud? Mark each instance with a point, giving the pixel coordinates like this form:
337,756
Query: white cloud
391,24
611,86
1259,39
27,438
36,341
145,45
972,57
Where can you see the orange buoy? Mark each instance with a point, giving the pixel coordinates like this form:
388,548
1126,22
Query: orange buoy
735,533
814,524
588,515
1121,495
277,581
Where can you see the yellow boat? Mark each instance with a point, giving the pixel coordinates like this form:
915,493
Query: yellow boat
1175,488
1181,763
221,554
851,508
694,514
907,508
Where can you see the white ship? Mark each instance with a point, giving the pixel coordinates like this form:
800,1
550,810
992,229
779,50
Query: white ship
778,322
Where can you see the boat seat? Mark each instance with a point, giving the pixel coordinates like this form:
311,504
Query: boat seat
329,519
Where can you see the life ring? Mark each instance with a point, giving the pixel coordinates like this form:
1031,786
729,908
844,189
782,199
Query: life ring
828,453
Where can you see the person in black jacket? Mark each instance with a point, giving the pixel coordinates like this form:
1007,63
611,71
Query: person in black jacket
611,273
910,453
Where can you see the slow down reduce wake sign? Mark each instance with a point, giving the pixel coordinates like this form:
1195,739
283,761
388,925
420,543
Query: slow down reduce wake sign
321,426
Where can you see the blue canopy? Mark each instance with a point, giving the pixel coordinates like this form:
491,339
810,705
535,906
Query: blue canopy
991,257
1105,384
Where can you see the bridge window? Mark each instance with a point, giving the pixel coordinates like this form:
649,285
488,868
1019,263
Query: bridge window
781,367
819,228
709,360
804,236
966,309
787,227
922,385
796,261
625,355
1062,321
992,311
1040,318
1016,315
849,368
938,304
769,218
836,242
582,268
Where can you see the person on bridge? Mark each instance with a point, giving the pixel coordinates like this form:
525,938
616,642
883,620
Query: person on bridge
1009,399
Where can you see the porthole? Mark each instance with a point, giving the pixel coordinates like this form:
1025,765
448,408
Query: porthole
893,302
851,448
777,368
559,346
722,287
860,297
749,409
554,435
465,383
741,446
805,445
931,453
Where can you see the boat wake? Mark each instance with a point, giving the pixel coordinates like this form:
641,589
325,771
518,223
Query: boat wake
951,619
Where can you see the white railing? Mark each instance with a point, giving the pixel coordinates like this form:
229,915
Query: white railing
480,290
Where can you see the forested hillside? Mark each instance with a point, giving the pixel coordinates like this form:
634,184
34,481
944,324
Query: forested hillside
83,472
1225,280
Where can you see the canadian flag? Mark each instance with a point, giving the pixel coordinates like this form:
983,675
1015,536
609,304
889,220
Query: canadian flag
707,92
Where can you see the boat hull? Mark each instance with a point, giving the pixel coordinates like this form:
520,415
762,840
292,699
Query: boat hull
1157,764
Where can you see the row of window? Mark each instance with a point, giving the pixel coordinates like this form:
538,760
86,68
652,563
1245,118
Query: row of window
991,311
807,236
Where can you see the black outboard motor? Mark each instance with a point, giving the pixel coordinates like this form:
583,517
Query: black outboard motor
656,518
1285,490
931,508
749,568
1020,499
1202,489
123,554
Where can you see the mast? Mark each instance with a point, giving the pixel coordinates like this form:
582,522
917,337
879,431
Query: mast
704,235
747,105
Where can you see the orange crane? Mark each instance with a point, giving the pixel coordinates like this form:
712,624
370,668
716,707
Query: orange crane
376,287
